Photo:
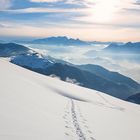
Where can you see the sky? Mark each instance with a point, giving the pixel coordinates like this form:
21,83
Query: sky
100,20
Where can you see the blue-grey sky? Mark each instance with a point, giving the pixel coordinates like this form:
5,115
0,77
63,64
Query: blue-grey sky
102,20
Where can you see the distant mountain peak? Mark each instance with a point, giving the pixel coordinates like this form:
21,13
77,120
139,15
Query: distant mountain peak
129,44
60,40
113,44
127,47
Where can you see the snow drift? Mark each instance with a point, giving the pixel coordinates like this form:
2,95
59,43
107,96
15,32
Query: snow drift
37,107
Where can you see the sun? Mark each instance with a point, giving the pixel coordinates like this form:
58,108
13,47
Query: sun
103,10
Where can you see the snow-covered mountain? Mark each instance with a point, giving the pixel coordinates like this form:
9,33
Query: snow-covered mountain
127,50
12,49
109,75
60,41
128,47
37,107
32,60
94,77
106,81
121,89
109,82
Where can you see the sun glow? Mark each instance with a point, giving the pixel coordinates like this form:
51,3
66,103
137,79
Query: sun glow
103,10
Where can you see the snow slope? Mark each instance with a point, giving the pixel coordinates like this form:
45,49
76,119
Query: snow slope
37,107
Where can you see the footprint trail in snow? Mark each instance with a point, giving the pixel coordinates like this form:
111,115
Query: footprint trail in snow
75,124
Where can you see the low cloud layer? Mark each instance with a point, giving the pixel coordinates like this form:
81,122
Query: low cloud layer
77,55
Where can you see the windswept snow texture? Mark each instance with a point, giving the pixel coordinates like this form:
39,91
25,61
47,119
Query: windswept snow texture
37,107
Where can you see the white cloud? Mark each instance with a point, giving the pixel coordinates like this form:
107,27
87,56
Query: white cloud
35,10
117,23
85,2
45,0
102,11
5,4
43,10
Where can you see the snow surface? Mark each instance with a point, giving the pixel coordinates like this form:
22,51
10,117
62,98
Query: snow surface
37,107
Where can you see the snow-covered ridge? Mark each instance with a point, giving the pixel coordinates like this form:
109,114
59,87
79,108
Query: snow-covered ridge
34,106
90,76
33,60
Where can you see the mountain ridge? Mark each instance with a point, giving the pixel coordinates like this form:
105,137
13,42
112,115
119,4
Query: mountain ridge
60,41
69,72
128,47
134,98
